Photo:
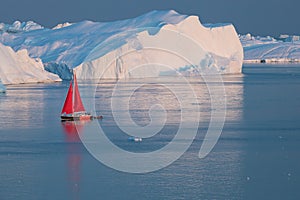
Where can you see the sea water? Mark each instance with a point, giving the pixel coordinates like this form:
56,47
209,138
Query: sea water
256,157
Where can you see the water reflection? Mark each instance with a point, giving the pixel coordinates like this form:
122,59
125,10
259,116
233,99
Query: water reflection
72,130
31,106
140,95
21,106
151,91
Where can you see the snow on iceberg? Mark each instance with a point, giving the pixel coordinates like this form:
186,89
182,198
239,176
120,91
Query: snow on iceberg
58,26
18,26
18,67
73,45
268,49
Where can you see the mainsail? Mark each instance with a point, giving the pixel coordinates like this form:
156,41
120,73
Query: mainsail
68,105
73,101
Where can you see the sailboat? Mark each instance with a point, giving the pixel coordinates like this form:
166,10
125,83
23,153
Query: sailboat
73,108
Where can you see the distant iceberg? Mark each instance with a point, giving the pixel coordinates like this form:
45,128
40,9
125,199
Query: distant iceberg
286,48
76,46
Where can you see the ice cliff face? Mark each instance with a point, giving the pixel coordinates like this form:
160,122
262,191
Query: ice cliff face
18,67
185,47
78,46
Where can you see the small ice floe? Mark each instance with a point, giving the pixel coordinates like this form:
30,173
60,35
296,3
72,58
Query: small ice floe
135,139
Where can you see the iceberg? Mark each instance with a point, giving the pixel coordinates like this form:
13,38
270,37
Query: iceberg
268,49
77,46
186,47
18,67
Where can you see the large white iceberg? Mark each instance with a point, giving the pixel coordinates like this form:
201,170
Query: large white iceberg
184,47
18,67
77,46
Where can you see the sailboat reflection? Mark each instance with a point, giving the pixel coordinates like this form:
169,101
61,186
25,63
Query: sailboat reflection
72,129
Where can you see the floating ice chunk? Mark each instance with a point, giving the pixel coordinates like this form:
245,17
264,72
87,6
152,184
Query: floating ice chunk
135,139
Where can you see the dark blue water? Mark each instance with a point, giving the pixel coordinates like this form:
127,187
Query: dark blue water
257,156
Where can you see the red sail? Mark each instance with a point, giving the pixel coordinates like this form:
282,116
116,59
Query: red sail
68,106
78,106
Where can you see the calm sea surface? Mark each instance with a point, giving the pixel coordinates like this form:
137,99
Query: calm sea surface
256,157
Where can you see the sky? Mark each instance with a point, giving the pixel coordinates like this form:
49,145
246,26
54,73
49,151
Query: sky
258,17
